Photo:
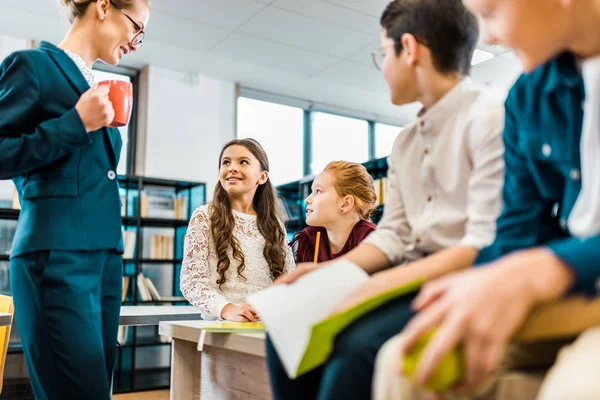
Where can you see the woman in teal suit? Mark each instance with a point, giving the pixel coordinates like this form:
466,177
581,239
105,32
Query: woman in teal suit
66,260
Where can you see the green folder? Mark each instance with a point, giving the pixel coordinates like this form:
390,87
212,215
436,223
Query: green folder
323,333
235,327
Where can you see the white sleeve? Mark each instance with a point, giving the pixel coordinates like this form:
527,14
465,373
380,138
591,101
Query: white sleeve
393,230
484,200
195,284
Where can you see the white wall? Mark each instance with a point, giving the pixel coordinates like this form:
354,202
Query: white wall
189,118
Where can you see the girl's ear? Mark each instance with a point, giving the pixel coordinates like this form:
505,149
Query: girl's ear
264,177
347,204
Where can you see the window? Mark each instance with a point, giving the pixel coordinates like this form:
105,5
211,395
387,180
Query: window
385,135
336,138
125,130
280,130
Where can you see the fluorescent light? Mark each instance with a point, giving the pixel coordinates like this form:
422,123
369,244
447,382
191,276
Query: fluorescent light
480,56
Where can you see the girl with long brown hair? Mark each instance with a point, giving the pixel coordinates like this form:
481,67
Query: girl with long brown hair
236,245
339,207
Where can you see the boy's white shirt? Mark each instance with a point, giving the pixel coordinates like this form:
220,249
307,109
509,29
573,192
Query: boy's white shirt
445,178
584,219
199,268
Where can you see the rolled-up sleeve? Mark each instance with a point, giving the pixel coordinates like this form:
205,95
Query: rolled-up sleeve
582,255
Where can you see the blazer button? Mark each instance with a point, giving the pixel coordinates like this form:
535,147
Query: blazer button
546,150
111,175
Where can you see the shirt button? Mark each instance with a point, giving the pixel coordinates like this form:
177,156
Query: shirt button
111,175
429,198
563,224
417,240
546,150
422,123
575,174
426,151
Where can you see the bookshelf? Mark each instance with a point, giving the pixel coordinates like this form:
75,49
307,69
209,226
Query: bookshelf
155,215
294,193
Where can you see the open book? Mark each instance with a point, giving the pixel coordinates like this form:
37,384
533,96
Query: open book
295,315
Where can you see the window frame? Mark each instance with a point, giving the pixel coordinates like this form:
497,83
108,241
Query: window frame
309,108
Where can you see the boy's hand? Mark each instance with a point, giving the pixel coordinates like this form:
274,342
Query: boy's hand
483,308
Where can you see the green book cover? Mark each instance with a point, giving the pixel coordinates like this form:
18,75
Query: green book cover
323,333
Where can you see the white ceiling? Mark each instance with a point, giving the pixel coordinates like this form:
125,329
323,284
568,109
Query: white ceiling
313,49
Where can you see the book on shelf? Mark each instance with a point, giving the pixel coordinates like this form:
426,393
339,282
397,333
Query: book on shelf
304,339
161,247
152,289
162,204
142,288
129,244
123,330
147,290
125,288
380,186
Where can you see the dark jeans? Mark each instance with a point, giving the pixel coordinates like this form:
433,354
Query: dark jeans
348,373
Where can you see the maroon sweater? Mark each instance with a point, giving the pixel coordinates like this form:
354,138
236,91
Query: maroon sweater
306,240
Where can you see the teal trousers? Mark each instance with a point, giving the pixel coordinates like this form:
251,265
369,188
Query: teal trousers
67,307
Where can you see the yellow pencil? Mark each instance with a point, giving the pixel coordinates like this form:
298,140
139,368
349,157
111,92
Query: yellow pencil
317,247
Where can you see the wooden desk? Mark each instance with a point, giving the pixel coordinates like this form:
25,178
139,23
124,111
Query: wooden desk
152,315
5,319
228,367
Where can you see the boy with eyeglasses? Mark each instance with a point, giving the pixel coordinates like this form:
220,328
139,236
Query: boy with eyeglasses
445,176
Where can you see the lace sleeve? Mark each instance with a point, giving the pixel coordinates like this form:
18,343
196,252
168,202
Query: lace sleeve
196,285
290,264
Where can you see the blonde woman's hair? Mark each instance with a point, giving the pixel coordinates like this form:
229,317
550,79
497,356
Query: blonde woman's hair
77,8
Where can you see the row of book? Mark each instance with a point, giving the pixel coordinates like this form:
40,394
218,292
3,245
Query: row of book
157,204
152,205
162,247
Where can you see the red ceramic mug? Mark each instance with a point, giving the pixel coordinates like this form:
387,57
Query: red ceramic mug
121,97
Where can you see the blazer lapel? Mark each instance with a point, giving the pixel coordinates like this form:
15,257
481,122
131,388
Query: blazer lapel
74,76
67,67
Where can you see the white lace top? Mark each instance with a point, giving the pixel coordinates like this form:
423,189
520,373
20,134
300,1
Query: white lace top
199,270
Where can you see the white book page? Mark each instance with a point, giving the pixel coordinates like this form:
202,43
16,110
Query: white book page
290,311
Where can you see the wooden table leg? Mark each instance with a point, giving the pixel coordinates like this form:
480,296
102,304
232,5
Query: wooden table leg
185,370
231,375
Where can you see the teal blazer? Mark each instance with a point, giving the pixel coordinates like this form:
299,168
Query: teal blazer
65,177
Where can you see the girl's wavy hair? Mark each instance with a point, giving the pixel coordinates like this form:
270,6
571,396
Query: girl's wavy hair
268,220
